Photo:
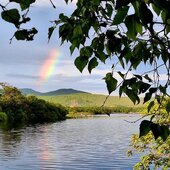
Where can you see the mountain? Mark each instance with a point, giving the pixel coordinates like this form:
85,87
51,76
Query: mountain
26,91
51,93
62,92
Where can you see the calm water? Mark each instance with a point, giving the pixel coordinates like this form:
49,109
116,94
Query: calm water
98,143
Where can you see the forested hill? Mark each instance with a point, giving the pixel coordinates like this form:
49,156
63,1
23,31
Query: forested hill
51,93
26,91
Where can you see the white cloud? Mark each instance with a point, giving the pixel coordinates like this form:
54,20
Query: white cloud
91,81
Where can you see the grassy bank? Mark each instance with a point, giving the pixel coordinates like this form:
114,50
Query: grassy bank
80,112
85,105
90,100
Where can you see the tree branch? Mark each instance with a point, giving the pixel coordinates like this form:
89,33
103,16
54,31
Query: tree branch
138,119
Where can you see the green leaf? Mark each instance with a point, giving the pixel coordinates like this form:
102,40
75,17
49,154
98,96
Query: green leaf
153,90
109,9
156,9
148,78
160,131
138,76
139,28
147,97
110,82
121,3
165,54
25,20
164,132
121,74
162,89
132,96
145,14
95,2
120,15
101,56
158,98
130,23
163,16
92,64
151,104
63,18
11,16
25,34
144,128
66,1
24,4
167,106
21,35
167,29
50,32
77,32
156,130
143,87
72,47
81,62
122,89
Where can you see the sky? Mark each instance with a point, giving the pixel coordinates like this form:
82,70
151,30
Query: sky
22,62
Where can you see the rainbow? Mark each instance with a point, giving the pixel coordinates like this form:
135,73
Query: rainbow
49,66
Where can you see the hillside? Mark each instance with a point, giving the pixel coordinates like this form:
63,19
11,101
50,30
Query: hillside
63,92
71,97
88,100
27,91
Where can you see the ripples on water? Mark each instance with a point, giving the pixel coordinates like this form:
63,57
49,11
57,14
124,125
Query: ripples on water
99,143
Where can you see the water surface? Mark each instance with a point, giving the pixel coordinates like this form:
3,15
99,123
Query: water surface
98,143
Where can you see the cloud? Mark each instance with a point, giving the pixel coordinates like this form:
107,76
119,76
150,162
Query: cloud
75,78
22,76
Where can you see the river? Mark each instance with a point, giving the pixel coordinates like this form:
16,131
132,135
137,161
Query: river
97,143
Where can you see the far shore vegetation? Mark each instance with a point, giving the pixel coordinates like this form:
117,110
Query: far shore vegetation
85,105
16,107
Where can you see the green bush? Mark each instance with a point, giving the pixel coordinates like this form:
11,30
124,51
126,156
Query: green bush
3,117
19,108
41,111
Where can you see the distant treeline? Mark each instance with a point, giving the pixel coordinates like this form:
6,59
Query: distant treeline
91,100
86,111
17,108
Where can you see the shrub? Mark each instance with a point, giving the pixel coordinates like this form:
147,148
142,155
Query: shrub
3,117
42,111
19,108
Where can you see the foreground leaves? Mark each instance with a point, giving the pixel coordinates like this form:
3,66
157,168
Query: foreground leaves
111,82
157,130
11,16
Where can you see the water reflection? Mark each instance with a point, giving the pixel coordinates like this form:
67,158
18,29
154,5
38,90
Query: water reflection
96,143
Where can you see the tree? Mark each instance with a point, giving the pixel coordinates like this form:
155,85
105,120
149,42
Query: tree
132,32
28,109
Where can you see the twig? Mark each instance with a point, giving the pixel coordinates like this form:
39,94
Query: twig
138,119
105,100
153,69
10,41
52,4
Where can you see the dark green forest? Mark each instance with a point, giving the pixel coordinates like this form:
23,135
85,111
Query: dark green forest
18,108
